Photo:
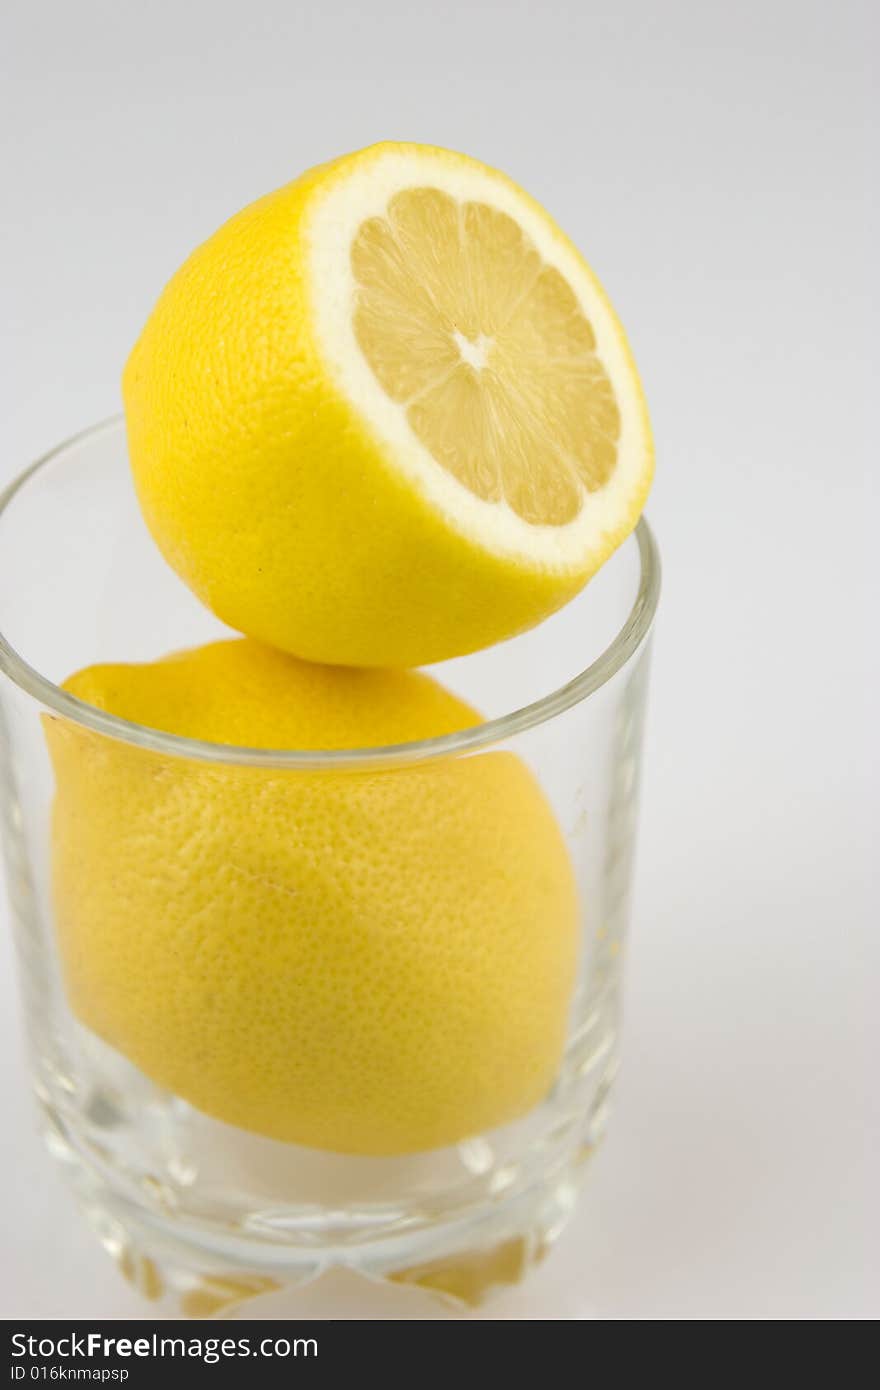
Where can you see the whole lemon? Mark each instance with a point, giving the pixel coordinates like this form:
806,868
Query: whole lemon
386,414
371,962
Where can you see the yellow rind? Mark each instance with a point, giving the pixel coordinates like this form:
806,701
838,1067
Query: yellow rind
372,963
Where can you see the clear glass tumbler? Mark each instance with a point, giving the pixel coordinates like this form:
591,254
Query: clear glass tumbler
199,1212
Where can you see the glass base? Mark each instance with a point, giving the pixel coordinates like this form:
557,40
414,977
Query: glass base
202,1217
187,1270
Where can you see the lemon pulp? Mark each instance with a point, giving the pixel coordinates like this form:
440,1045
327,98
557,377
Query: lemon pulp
488,350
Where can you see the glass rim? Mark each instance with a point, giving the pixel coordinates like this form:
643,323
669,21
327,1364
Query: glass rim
592,678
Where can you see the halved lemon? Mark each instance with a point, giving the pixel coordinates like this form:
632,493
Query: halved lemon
386,415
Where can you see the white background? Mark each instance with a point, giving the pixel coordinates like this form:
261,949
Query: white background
712,161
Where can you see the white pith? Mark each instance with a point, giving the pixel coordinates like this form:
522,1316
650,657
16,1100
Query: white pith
337,212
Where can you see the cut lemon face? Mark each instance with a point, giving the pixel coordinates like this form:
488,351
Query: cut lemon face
489,352
415,388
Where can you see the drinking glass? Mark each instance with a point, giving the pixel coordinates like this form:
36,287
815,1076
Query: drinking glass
200,1214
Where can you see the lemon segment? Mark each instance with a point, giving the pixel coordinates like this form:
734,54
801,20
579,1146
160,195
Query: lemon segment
371,963
386,415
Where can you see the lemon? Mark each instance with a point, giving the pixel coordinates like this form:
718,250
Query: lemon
386,415
370,962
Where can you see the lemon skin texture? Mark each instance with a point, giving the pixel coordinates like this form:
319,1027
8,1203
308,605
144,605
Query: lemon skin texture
273,496
371,963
